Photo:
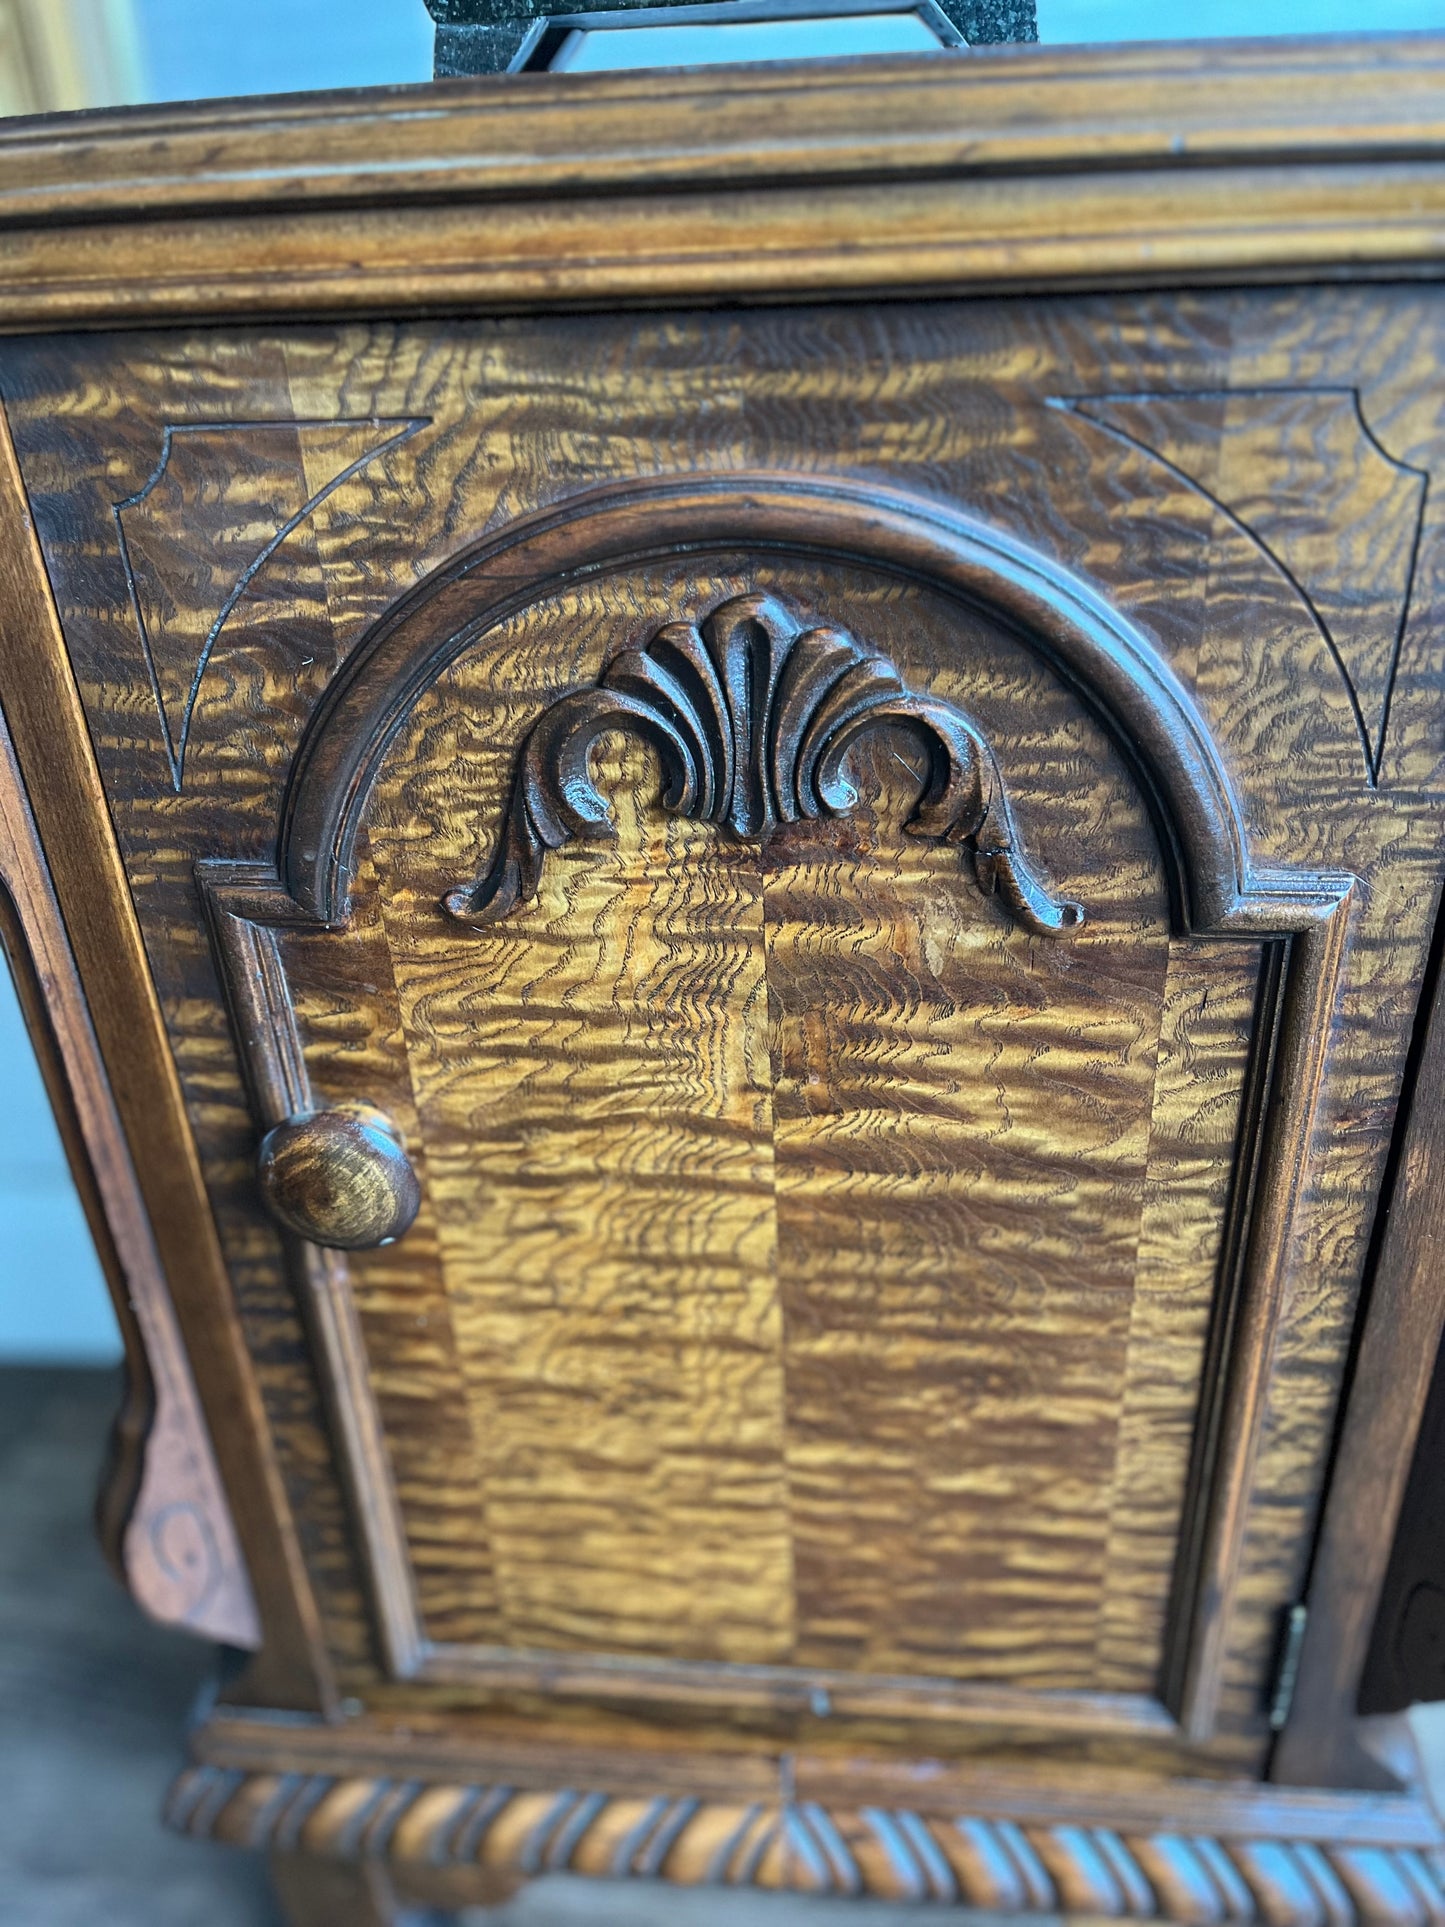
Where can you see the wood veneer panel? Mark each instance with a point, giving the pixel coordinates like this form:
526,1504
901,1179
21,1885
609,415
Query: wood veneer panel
348,1013
951,401
596,1129
956,1282
919,1060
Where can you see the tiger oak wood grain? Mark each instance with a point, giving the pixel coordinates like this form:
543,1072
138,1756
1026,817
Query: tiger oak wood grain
467,1005
355,1043
925,1074
532,1188
852,1352
1208,1016
765,406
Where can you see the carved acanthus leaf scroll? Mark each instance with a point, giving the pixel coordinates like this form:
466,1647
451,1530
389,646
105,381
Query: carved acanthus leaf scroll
753,715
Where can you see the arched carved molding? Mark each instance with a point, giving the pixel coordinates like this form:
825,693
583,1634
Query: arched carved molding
1110,662
1257,1868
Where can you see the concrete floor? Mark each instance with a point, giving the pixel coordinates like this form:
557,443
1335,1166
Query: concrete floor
94,1701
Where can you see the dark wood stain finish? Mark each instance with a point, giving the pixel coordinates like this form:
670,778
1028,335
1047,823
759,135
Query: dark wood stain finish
756,965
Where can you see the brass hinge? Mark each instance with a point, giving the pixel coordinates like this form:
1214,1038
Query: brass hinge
1287,1672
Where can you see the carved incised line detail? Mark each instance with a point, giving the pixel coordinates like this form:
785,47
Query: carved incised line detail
1301,475
176,653
753,715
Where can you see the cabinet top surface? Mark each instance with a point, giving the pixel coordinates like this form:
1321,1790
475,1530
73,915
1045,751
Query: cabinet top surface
1001,109
1294,158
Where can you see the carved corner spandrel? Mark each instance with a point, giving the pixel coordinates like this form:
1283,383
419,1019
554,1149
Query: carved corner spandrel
265,473
1300,474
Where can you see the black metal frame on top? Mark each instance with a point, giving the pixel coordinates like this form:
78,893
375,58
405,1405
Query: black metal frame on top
513,36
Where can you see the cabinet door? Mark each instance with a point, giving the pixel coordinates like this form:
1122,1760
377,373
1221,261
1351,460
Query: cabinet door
817,916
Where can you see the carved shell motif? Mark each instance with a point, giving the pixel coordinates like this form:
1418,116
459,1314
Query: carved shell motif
753,715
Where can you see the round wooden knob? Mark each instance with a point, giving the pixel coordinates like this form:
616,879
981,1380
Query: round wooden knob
340,1177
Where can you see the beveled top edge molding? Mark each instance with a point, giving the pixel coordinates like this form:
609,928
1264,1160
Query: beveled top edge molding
998,110
1094,648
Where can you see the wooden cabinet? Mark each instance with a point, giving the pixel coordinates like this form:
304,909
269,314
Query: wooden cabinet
726,815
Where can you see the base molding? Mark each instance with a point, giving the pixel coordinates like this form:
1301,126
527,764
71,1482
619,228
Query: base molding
1233,1872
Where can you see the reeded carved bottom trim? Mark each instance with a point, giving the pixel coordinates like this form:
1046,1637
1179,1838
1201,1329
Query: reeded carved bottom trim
890,1854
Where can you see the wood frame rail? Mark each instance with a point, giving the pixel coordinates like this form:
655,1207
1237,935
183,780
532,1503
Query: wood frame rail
1010,168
